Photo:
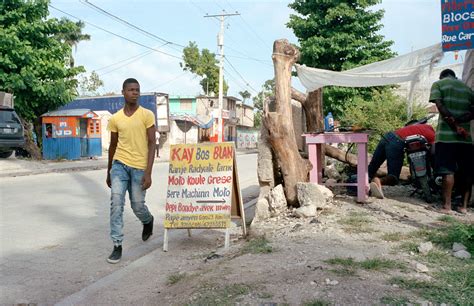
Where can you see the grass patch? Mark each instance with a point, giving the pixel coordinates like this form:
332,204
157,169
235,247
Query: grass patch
409,246
265,295
259,245
394,301
317,302
345,271
454,232
393,236
379,264
174,278
356,223
348,266
452,286
227,295
349,261
447,219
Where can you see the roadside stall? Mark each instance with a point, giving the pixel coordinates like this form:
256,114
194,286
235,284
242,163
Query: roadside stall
71,134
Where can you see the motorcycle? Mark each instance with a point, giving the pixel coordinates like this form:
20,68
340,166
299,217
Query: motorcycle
420,163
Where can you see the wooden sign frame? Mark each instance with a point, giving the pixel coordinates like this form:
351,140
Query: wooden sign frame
237,209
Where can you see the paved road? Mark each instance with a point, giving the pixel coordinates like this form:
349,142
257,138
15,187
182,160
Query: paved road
54,231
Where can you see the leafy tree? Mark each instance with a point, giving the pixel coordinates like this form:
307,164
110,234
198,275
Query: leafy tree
72,37
88,85
204,64
383,113
268,89
34,57
339,35
245,95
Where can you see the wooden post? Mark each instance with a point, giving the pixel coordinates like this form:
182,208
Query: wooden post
279,123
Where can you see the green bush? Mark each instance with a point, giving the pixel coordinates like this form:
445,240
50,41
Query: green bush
385,112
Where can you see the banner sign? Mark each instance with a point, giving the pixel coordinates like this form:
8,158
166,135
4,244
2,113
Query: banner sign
200,185
457,18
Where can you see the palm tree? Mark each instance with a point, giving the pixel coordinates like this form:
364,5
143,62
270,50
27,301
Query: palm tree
72,35
245,95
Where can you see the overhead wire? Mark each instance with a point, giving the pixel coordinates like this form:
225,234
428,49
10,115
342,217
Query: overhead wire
112,33
131,59
168,81
249,27
128,24
240,75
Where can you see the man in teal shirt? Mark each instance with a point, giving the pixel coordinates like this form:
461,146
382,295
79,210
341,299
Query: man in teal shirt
453,145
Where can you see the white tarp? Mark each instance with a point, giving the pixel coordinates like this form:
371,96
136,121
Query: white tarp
392,71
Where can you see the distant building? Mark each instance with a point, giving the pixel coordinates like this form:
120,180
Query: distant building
247,135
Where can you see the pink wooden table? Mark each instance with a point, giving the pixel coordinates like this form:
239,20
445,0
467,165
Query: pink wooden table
314,142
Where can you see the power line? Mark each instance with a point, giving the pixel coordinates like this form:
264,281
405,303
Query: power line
238,73
128,24
238,82
248,25
126,64
138,56
112,33
266,63
169,81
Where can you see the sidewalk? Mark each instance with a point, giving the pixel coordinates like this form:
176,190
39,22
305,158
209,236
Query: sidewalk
12,166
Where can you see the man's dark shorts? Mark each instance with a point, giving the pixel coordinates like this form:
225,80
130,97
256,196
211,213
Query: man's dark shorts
451,157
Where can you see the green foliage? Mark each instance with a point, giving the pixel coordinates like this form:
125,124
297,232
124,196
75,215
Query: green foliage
225,295
317,302
35,57
349,265
174,278
455,232
88,85
383,113
268,90
454,286
379,264
257,245
245,95
339,35
356,223
395,301
203,63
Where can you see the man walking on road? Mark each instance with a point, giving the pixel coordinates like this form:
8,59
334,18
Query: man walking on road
131,157
454,149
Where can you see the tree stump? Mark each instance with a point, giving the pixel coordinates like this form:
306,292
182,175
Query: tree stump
279,124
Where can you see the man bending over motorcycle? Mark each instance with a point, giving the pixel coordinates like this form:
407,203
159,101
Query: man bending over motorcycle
454,149
390,148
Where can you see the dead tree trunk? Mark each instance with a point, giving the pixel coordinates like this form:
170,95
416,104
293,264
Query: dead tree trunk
279,123
30,145
313,110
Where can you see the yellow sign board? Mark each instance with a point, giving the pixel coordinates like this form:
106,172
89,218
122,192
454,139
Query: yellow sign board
200,186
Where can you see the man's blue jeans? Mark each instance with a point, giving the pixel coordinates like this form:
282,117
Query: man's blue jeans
125,178
389,148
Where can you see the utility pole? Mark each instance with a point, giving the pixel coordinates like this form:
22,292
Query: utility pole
220,44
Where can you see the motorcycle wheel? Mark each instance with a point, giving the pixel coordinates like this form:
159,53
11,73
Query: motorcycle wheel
425,188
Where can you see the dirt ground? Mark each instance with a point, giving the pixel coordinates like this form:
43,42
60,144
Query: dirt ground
351,254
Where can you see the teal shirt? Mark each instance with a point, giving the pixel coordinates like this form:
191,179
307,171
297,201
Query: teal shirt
457,98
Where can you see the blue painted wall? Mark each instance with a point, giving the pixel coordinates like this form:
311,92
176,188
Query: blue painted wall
175,105
111,104
62,148
94,147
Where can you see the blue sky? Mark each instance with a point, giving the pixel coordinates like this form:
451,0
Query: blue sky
411,24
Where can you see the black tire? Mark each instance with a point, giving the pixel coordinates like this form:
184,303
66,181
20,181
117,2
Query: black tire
6,154
425,188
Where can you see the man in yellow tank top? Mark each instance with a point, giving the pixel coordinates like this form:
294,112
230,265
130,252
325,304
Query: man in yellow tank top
131,156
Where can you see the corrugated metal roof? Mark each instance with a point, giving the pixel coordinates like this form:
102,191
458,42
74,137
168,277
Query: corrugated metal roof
67,112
